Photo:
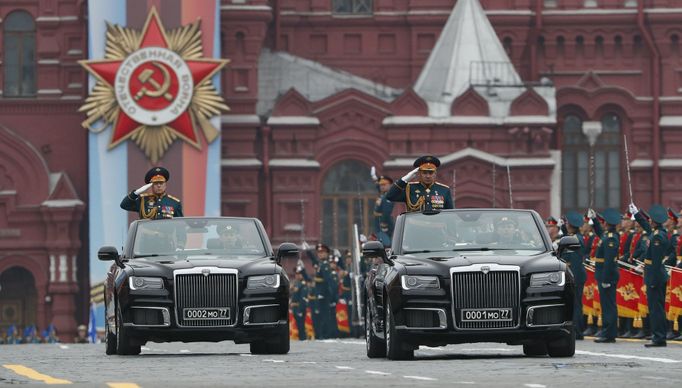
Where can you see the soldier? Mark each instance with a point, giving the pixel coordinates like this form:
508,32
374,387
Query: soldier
333,285
655,275
299,301
156,205
627,233
320,290
574,260
383,220
426,194
671,260
606,273
552,225
592,231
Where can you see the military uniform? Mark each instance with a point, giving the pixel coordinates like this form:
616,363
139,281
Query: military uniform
299,304
574,260
152,206
320,295
655,275
383,219
419,197
606,273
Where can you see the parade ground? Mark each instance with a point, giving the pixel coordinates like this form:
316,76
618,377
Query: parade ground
341,362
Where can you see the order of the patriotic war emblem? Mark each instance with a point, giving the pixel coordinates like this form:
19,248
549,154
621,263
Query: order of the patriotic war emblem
154,87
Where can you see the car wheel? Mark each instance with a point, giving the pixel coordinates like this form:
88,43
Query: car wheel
110,338
394,342
375,346
562,347
538,348
124,346
279,344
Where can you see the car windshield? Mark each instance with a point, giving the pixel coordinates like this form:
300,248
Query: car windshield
472,230
198,236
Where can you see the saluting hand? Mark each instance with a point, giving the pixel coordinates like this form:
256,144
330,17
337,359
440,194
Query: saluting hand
410,175
143,189
591,213
373,173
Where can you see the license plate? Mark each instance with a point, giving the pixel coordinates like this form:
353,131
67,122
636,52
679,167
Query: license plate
206,313
486,315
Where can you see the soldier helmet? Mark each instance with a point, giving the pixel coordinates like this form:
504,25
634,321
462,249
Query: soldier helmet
574,219
157,174
612,216
427,163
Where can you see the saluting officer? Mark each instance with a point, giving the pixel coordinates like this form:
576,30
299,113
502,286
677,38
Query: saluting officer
383,220
655,275
574,260
155,205
606,273
426,194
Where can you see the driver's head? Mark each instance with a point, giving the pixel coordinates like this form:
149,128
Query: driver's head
228,234
506,227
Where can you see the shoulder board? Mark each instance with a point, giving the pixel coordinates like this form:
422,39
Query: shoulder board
173,198
440,184
610,234
145,195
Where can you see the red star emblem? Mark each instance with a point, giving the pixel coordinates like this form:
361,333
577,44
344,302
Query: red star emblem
156,82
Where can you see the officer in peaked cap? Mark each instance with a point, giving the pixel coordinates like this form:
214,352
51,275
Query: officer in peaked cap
383,209
606,273
574,259
155,205
426,194
655,275
552,225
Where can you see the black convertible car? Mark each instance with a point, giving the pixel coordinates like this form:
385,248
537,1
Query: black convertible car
197,279
470,275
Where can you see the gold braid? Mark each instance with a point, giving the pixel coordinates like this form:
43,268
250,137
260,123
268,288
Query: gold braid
144,214
412,206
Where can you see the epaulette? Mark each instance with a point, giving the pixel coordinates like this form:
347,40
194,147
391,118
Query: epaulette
610,234
173,198
440,184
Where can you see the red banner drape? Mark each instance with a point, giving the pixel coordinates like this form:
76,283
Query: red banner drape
591,305
628,293
342,316
674,300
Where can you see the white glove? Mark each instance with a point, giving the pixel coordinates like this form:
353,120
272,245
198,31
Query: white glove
590,222
143,189
606,285
305,246
410,175
591,213
373,172
560,223
633,209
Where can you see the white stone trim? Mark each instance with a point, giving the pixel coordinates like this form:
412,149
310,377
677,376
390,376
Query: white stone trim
467,120
240,119
590,11
555,189
233,7
481,155
670,121
75,52
74,85
53,269
67,18
71,97
56,203
48,61
642,163
8,192
293,120
50,91
248,162
670,163
661,10
63,268
298,163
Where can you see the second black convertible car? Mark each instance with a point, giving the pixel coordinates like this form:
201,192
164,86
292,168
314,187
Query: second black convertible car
470,275
197,279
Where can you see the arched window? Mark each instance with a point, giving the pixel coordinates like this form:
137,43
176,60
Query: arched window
348,196
575,158
19,55
607,163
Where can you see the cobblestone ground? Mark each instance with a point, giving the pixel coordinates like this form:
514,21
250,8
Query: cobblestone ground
340,363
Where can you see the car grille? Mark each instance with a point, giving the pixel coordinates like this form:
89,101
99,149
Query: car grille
492,290
200,291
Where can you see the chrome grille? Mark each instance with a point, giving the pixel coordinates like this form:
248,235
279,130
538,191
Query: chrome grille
475,289
196,290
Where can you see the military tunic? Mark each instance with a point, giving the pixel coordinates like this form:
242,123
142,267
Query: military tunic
418,197
574,260
383,221
152,206
606,273
299,304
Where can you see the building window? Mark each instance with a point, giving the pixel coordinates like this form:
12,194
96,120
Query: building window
19,55
579,174
347,198
352,6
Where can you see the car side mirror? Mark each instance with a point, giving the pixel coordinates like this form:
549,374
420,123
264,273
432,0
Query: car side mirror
286,250
376,249
109,253
568,243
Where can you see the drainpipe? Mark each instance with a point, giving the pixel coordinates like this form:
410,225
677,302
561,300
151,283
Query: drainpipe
276,29
537,27
265,132
656,92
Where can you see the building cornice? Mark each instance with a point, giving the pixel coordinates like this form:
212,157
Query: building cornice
481,155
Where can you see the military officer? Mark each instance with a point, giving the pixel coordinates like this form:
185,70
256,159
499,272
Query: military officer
426,194
299,301
552,225
655,275
671,260
383,220
155,205
606,273
574,260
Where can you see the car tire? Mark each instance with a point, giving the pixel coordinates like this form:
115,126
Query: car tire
395,343
279,344
110,338
537,348
562,347
376,347
124,345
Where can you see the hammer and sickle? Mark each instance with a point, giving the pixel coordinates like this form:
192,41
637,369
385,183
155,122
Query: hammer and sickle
160,90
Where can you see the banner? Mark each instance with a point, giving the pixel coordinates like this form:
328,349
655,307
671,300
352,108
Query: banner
342,316
309,329
675,288
627,295
591,304
293,328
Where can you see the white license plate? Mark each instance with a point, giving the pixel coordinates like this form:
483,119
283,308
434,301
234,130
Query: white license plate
206,313
486,315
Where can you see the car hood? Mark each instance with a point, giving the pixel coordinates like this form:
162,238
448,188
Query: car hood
165,265
436,263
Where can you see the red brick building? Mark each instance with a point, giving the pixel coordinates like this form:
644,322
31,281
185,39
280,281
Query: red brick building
321,90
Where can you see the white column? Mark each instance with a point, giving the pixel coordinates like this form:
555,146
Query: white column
53,269
555,191
63,268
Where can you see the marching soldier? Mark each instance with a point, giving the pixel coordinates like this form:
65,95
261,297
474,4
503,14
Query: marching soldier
655,275
673,236
299,301
424,195
606,273
157,204
383,221
320,290
627,233
574,260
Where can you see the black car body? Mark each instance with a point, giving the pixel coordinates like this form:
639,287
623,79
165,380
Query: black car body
197,279
451,278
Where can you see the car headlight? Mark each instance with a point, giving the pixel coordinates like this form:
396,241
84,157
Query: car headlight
557,278
145,283
414,282
265,281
